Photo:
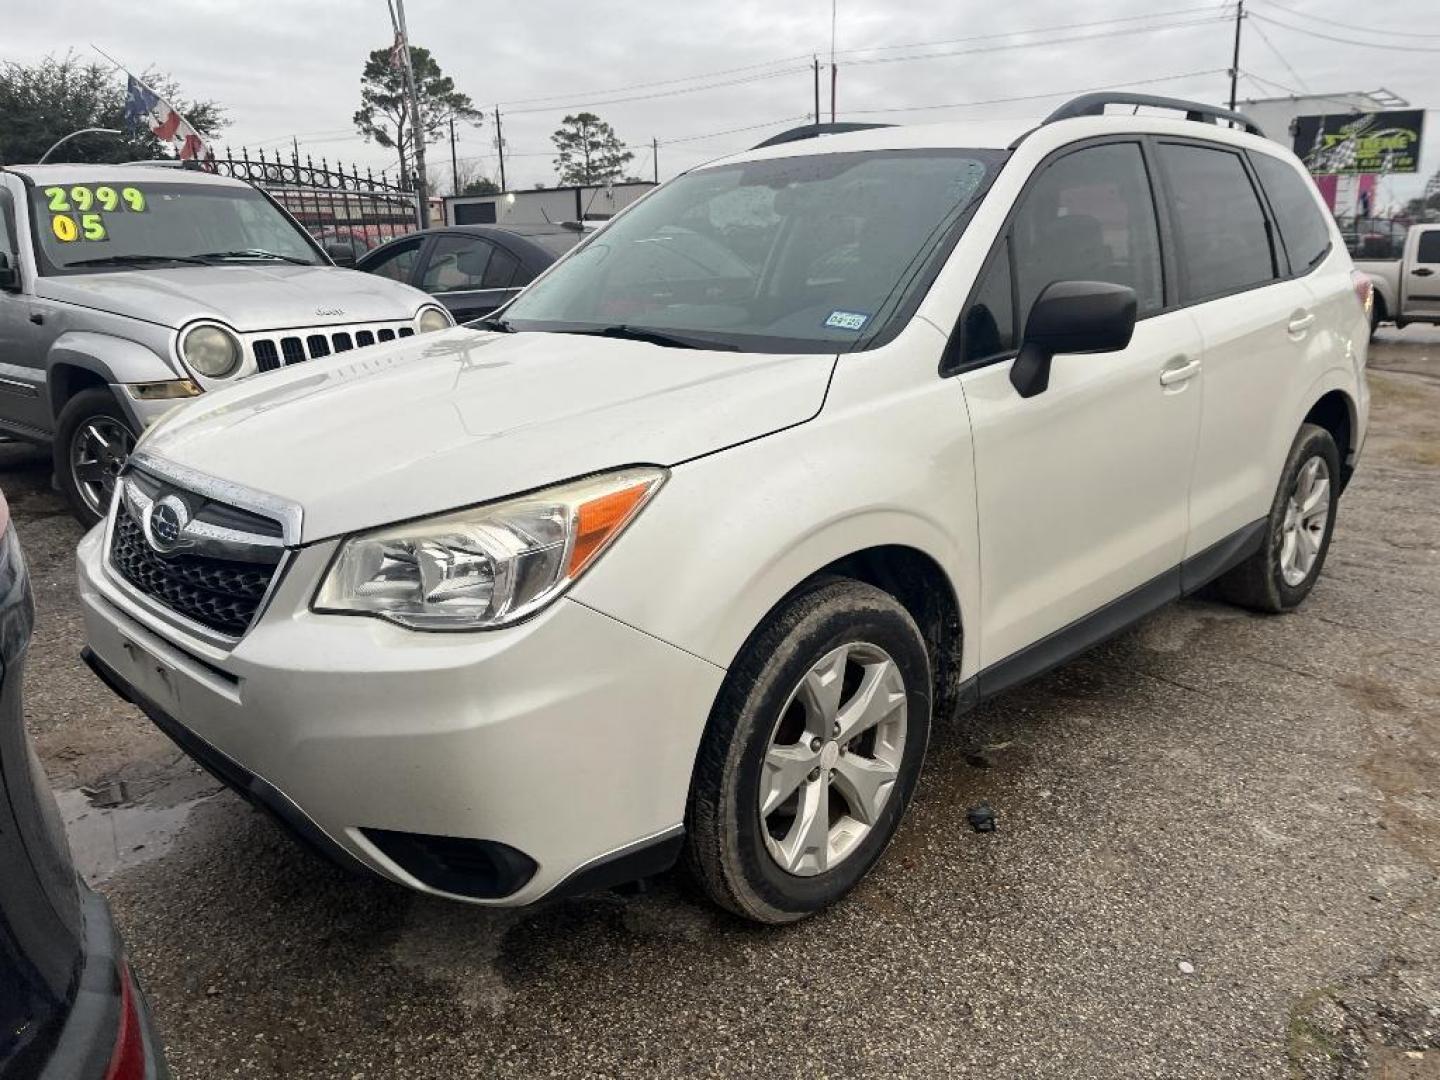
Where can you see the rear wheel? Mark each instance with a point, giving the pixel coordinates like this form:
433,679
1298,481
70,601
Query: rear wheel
811,754
1297,536
93,440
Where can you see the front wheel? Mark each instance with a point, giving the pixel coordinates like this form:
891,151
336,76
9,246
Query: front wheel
1297,534
811,753
93,440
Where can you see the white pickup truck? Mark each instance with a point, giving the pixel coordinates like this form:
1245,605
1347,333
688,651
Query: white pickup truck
1405,269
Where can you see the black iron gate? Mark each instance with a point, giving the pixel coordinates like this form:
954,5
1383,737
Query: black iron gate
333,204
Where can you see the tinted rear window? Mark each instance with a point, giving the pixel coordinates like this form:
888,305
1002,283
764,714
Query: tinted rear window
1429,248
1302,226
1224,245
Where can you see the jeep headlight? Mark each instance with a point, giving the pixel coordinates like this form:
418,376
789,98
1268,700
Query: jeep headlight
487,566
432,318
211,350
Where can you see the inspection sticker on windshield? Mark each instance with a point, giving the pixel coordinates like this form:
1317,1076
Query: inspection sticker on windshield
847,320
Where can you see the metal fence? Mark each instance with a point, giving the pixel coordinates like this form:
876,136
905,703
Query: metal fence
332,203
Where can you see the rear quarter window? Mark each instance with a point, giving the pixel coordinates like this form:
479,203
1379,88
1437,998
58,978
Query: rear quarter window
1303,227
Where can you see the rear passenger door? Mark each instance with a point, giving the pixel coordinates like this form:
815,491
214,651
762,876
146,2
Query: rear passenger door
1258,327
470,275
1081,489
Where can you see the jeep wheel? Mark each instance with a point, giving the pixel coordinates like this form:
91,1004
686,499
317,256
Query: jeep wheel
93,439
811,754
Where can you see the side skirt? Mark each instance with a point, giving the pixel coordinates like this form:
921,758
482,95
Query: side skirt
1119,614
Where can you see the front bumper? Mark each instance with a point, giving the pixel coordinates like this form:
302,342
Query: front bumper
569,738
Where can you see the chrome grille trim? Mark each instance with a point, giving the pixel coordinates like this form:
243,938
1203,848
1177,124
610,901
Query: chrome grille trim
270,350
287,513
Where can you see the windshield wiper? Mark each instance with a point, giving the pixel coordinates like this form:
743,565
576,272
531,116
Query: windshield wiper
121,260
255,253
654,337
493,322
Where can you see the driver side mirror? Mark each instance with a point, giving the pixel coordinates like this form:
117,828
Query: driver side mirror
341,252
9,275
1072,317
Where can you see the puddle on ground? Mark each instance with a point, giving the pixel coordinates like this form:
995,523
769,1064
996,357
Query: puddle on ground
106,840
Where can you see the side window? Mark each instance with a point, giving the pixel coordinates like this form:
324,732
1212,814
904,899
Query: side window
501,270
7,237
1302,225
1222,237
1428,250
457,263
1089,217
398,263
989,326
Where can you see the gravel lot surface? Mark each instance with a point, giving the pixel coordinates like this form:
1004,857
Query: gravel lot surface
1217,855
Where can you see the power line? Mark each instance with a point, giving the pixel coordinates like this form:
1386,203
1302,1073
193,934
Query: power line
1209,8
1040,44
759,72
1049,94
1348,41
1348,26
1260,31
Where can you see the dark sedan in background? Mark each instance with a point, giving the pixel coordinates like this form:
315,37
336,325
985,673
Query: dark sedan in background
472,269
69,1007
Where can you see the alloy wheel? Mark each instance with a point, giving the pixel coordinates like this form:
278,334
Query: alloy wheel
98,451
1307,512
833,759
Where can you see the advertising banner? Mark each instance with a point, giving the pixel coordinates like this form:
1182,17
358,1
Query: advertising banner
1346,143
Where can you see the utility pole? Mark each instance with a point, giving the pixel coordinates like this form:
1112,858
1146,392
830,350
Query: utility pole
1235,60
454,161
816,61
655,156
834,71
500,147
417,134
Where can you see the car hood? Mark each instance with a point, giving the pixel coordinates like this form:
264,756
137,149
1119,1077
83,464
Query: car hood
462,416
247,296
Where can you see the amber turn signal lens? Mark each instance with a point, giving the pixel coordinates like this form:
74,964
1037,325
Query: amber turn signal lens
600,519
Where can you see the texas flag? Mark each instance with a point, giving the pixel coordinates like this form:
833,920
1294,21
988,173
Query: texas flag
145,107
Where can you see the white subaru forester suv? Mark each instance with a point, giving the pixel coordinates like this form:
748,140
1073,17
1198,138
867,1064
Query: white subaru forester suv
685,551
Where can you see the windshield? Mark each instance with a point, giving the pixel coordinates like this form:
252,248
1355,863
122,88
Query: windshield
84,228
799,254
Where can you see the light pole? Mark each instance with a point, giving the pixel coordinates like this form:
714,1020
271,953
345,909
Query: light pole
73,134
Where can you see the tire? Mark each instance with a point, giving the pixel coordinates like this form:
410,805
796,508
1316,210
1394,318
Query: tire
733,851
1265,581
93,438
1377,313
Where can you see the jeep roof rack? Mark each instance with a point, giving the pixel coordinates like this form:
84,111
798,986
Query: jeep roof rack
810,131
1094,105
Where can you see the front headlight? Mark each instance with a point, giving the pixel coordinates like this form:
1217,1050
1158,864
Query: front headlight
487,566
211,350
432,318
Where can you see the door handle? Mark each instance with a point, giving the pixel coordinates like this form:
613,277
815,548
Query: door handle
1173,375
1300,323
1422,271
37,318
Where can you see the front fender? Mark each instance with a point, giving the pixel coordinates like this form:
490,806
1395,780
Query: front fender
731,534
112,360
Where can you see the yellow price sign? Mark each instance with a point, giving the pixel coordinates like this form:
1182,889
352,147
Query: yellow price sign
64,228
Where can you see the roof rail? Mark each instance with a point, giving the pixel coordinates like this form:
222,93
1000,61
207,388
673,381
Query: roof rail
810,131
1094,105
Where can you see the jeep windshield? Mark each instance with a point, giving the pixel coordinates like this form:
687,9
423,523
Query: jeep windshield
823,253
126,223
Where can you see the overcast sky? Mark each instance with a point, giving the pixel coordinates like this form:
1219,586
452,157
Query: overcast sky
284,68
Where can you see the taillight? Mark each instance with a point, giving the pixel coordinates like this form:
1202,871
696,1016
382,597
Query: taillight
127,1060
1364,290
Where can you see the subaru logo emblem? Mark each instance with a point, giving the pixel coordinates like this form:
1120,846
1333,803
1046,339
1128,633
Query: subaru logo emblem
165,524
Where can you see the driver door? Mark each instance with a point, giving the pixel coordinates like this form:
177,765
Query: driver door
1082,489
